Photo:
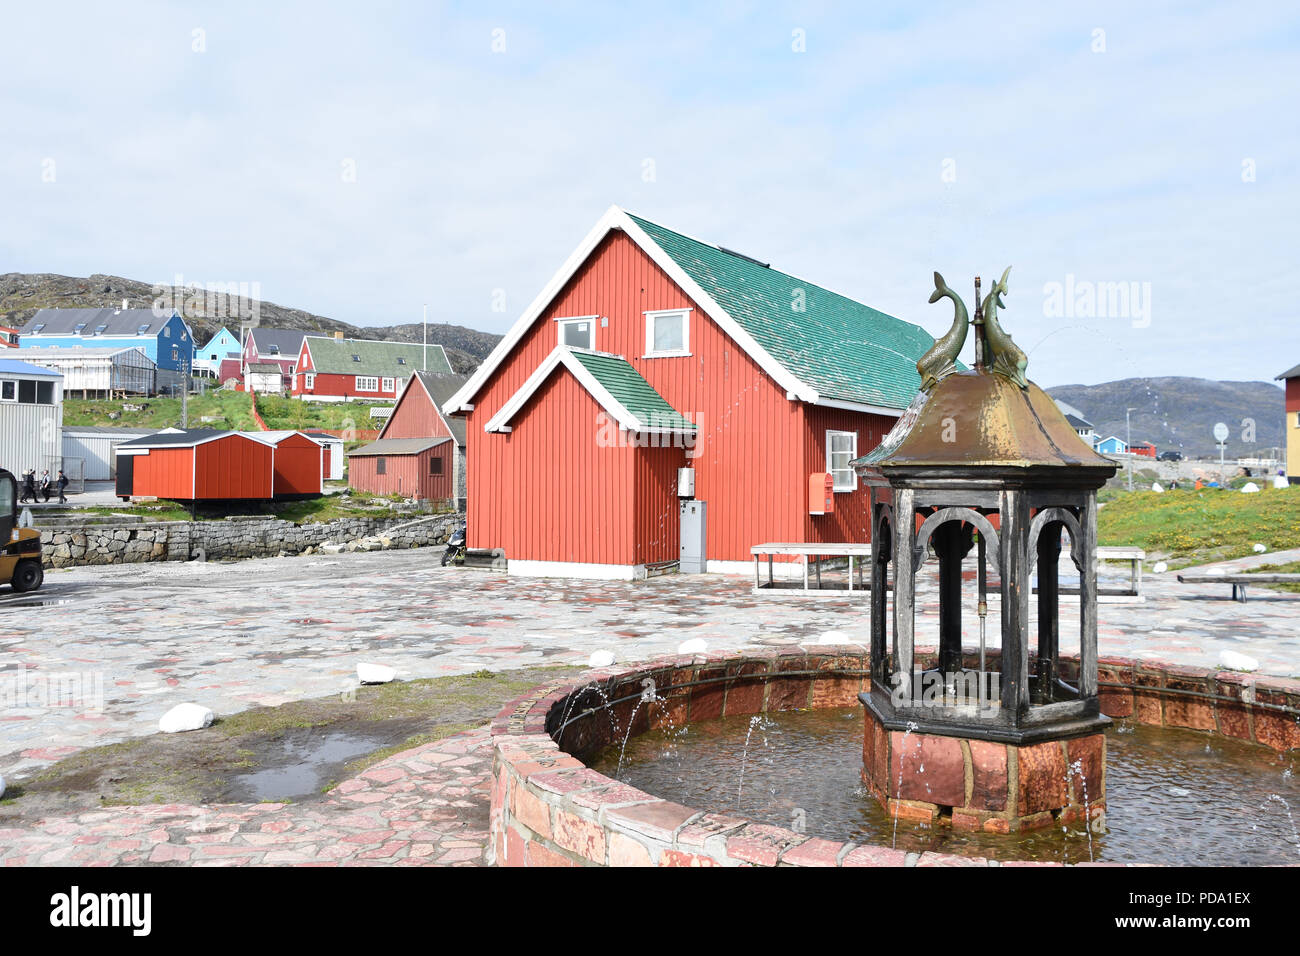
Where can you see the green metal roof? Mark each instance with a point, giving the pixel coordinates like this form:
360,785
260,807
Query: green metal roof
335,357
632,391
842,348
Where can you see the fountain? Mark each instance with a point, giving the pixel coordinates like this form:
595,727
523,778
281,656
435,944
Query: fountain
983,458
970,751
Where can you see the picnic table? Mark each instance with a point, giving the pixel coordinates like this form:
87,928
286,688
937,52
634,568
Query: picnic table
812,555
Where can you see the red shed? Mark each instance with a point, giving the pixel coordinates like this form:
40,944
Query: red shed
195,465
651,351
300,461
410,467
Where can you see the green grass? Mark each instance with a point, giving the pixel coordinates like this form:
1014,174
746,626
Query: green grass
225,409
309,511
1192,527
1291,567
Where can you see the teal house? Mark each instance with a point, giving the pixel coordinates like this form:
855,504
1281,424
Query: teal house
224,345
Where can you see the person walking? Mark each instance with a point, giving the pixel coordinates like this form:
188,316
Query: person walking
62,483
47,486
29,486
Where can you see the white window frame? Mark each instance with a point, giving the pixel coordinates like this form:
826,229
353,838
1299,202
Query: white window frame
372,387
13,382
650,319
562,321
387,385
853,453
308,379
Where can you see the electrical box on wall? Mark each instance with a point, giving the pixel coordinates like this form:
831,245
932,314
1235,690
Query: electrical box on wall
821,493
685,482
694,525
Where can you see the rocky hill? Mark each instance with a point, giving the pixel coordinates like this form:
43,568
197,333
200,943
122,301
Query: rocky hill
1179,414
22,294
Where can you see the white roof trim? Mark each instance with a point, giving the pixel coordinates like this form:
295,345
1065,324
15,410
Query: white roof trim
859,407
616,219
563,355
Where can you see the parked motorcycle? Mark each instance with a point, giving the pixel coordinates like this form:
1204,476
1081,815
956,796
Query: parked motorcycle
455,547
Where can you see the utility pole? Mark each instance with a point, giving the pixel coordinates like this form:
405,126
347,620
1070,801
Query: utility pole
185,393
426,336
1128,442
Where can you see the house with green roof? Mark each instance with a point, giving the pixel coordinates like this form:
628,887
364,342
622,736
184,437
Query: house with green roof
655,366
335,369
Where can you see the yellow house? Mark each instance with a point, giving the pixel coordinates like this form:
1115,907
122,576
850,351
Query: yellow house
1291,377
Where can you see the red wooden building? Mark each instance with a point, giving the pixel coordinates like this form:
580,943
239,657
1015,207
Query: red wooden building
417,415
650,351
410,467
204,464
339,369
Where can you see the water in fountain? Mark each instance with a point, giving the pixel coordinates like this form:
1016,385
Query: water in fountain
898,793
1286,808
1077,768
648,696
744,754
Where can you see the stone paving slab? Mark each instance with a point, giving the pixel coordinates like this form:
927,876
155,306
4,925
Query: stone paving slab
262,632
423,807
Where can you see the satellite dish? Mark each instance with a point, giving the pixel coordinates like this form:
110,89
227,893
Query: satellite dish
1220,432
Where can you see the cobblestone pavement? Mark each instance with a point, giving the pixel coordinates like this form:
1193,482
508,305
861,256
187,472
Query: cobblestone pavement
426,806
262,632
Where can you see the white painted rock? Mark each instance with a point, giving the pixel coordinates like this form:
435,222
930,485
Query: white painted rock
1249,487
1159,567
375,674
1216,571
1238,662
1279,481
601,659
835,637
696,645
1156,487
184,717
1259,549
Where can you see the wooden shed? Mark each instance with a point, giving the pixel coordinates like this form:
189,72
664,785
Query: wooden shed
410,467
196,465
299,462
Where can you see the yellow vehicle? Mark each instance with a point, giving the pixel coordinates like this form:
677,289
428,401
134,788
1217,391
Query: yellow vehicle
20,548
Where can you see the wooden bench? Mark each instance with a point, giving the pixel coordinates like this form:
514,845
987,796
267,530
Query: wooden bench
1239,581
812,555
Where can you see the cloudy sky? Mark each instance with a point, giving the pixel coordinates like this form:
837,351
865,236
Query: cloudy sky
358,160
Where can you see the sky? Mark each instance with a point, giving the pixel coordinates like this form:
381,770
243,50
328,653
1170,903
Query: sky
1137,164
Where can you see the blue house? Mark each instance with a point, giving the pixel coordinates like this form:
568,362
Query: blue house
1112,446
165,337
225,344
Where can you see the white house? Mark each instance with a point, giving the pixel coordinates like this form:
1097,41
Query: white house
31,417
99,372
264,378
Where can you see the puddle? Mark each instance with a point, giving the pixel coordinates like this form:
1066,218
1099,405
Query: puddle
301,762
35,602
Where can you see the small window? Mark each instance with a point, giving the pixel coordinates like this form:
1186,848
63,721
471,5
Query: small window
400,360
214,355
175,354
356,358
99,329
435,465
26,392
274,349
578,333
842,448
8,390
387,385
167,331
309,380
142,329
667,333
37,327
80,326
44,393
381,466
366,383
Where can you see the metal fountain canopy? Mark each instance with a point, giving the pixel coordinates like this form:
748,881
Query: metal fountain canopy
976,444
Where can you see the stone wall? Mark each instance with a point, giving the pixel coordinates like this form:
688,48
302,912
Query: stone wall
237,537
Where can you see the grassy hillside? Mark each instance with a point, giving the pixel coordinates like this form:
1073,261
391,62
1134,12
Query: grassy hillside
1192,527
225,409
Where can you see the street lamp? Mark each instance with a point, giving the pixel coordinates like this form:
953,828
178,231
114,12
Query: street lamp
1128,444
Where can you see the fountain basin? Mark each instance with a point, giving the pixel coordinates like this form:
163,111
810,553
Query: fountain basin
549,808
